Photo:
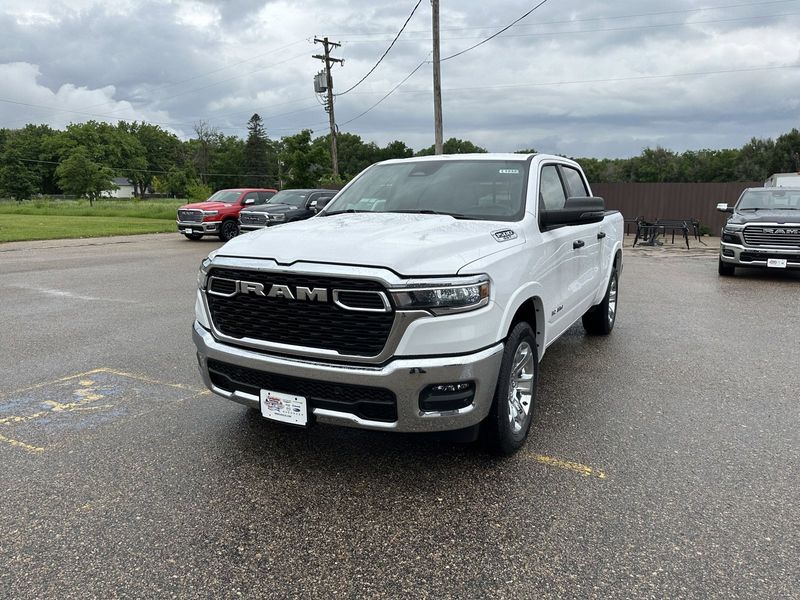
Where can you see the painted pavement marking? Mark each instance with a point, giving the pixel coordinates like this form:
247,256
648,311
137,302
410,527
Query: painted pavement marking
78,402
569,465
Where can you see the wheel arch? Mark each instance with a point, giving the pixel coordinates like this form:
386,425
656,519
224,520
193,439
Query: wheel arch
530,310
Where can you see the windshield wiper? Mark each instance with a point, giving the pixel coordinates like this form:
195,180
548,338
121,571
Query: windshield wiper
427,211
341,212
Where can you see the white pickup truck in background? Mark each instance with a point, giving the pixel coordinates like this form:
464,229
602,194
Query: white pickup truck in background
421,299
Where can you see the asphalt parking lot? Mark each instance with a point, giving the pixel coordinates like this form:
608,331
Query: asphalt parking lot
664,461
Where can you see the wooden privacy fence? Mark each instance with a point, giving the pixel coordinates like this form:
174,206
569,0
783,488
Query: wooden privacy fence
673,200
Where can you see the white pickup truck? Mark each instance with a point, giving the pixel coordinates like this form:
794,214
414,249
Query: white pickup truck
421,299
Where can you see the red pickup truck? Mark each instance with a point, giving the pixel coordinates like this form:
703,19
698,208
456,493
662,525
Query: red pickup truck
219,215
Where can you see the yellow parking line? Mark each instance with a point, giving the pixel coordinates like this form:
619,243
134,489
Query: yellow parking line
146,379
568,465
18,444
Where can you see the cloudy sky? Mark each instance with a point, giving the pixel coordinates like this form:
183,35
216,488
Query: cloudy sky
601,78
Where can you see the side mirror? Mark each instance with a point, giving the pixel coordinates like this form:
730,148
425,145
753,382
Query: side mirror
250,201
576,211
723,207
313,205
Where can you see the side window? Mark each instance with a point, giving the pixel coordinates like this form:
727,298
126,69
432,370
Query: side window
263,197
250,196
576,187
551,192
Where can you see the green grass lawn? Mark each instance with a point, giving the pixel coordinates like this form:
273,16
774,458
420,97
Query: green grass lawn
22,227
46,219
143,209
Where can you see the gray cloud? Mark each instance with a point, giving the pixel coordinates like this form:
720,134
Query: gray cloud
575,77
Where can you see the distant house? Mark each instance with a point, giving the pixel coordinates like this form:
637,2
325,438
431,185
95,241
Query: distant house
125,188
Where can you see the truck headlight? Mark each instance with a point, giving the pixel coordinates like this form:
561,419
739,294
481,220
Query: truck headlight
732,228
276,218
202,274
441,298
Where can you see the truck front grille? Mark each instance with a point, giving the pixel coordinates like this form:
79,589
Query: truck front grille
252,218
772,235
310,323
371,403
190,215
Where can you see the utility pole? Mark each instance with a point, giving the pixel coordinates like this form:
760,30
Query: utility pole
329,103
437,81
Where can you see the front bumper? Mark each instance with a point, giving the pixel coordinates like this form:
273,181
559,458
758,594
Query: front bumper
743,256
204,227
405,377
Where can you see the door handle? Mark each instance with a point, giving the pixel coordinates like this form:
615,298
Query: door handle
578,244
601,235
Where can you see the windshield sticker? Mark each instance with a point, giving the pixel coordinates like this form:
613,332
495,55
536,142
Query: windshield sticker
504,235
508,171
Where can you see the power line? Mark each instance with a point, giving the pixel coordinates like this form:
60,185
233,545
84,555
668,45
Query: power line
360,81
494,35
389,93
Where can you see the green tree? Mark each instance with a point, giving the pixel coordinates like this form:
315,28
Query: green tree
395,149
162,152
198,191
786,155
754,162
78,174
18,178
454,146
304,164
256,155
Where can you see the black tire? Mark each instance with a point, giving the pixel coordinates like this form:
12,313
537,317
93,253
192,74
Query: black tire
505,429
600,319
726,269
228,230
193,236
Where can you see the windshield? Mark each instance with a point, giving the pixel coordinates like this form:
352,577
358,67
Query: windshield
291,197
468,189
770,199
226,196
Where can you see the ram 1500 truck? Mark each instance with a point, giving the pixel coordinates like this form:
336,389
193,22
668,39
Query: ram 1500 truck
219,215
421,299
763,230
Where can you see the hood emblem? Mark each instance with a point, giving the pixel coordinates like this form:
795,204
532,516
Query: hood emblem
504,235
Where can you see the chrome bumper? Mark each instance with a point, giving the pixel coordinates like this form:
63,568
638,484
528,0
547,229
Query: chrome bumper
732,253
405,377
203,227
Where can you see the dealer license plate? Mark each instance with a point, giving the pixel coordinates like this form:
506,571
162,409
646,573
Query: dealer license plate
777,263
188,230
284,407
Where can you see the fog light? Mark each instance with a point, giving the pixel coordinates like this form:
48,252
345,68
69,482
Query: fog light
442,397
728,252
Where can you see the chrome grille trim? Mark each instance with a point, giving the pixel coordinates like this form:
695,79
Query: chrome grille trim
772,234
190,215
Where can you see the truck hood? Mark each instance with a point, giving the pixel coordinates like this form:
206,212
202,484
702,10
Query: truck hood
271,208
765,216
207,205
409,244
